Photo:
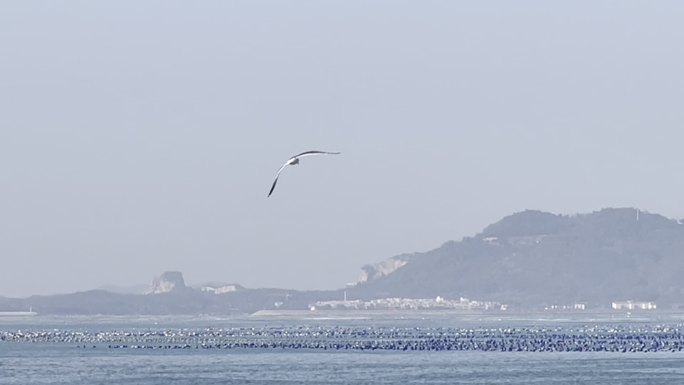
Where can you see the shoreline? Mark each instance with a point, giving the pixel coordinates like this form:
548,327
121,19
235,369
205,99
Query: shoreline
18,313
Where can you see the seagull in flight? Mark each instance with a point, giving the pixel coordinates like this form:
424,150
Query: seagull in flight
294,161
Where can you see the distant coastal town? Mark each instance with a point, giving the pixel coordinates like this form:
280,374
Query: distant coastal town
409,304
462,303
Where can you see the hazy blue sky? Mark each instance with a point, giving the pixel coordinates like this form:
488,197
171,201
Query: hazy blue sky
143,136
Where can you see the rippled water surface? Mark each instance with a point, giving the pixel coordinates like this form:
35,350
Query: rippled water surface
64,363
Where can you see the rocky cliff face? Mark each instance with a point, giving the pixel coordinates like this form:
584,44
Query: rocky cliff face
167,282
381,269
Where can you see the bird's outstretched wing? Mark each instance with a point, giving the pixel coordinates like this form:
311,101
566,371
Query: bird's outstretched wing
272,187
276,178
309,153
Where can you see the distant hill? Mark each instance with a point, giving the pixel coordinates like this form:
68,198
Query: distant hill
526,260
534,258
169,295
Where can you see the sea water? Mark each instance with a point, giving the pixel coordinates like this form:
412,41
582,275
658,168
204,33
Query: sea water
62,361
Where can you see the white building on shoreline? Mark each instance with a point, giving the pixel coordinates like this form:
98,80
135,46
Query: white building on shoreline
633,305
